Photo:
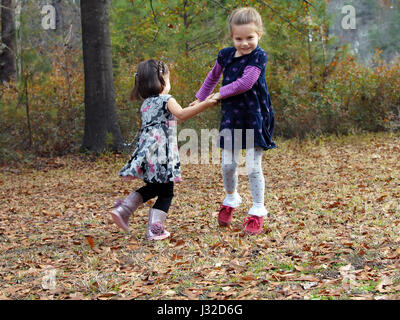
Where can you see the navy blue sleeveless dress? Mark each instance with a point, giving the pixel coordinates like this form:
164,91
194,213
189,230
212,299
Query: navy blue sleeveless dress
249,110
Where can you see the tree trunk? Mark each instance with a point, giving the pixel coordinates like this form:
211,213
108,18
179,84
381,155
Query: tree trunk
7,54
100,112
59,16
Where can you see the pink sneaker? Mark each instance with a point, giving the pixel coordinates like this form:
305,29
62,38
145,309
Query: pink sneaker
124,208
254,225
225,215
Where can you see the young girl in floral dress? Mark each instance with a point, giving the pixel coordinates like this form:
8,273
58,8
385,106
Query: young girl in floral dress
155,158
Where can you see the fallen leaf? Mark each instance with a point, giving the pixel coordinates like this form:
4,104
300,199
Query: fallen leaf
384,282
309,285
170,293
90,240
346,268
380,199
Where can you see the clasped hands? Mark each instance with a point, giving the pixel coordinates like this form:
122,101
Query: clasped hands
214,98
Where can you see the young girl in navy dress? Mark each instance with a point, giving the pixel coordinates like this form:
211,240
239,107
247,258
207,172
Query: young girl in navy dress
155,158
246,104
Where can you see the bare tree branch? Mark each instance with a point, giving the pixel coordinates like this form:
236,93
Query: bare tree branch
309,3
7,8
155,20
220,5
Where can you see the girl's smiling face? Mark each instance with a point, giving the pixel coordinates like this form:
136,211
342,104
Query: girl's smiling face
245,38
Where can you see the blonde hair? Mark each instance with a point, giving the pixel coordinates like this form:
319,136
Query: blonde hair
246,15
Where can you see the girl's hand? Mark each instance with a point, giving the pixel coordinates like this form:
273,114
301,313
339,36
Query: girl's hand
211,96
214,96
211,100
194,103
217,96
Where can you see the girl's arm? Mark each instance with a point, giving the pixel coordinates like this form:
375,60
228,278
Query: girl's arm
209,84
189,112
243,84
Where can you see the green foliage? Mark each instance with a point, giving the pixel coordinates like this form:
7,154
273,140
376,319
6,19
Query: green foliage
56,112
315,90
386,36
186,35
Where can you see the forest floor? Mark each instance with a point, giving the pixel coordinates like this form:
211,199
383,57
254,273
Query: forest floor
333,231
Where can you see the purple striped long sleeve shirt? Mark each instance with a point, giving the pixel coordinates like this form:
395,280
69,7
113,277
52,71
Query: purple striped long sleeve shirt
243,84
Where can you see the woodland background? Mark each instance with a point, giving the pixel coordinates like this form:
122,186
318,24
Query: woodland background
322,79
332,185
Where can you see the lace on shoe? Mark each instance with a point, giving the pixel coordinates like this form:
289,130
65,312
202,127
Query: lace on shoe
252,222
225,210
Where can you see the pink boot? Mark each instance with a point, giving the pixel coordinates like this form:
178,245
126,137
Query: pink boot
124,208
155,227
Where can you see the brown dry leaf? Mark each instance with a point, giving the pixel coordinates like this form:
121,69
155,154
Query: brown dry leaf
309,278
393,254
76,296
170,293
108,295
396,288
226,288
135,294
384,282
193,293
362,196
90,240
363,297
380,199
299,268
148,257
179,243
133,246
244,294
176,257
335,292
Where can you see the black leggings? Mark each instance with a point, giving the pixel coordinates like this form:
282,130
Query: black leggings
164,192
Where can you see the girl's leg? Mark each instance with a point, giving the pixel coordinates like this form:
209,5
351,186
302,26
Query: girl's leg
255,221
257,182
158,213
148,191
165,194
230,177
124,208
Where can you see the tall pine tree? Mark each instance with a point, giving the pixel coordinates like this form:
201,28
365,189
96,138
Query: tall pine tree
100,111
8,41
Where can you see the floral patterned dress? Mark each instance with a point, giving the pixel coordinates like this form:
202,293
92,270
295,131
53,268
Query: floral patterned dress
155,158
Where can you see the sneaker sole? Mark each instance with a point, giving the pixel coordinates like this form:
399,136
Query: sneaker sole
223,224
165,235
251,233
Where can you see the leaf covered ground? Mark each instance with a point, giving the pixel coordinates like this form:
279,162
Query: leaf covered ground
333,230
